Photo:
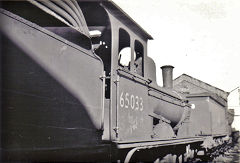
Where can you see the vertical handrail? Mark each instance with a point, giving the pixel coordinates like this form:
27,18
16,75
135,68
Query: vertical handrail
117,108
103,98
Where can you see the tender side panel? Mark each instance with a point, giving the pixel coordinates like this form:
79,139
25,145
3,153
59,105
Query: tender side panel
52,93
219,120
200,119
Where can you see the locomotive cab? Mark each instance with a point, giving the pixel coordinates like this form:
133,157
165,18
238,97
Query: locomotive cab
128,79
132,106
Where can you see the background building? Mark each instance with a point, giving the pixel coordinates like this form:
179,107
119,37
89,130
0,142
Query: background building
234,103
193,87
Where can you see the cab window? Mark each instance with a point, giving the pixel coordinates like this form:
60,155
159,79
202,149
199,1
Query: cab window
138,58
124,49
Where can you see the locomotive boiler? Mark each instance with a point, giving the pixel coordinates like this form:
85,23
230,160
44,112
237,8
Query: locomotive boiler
78,85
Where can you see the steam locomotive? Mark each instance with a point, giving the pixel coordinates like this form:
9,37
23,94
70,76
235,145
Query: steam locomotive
78,85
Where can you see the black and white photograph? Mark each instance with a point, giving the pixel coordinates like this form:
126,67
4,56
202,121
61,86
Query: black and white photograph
120,81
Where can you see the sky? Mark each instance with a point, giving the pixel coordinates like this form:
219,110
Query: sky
200,38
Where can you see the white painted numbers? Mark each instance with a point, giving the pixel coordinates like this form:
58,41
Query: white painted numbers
130,101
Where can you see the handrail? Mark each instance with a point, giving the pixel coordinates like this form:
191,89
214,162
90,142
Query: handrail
133,76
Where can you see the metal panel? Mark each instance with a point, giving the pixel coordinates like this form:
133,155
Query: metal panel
167,107
116,24
66,62
200,119
219,120
133,121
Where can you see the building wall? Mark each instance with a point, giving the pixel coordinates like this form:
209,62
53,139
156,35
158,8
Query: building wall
234,103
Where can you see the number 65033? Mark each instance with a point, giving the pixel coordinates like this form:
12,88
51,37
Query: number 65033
131,101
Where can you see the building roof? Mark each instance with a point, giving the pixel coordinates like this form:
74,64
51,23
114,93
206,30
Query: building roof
197,86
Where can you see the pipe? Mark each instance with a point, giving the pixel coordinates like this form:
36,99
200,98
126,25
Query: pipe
167,75
47,10
60,11
131,152
69,10
74,8
83,21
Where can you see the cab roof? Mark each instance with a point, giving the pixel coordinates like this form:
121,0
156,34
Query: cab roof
122,16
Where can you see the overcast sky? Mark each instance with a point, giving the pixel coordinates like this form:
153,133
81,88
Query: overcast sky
200,38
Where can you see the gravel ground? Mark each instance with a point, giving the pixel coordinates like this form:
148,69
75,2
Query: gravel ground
232,155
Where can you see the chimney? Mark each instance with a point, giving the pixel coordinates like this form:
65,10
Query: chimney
167,75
